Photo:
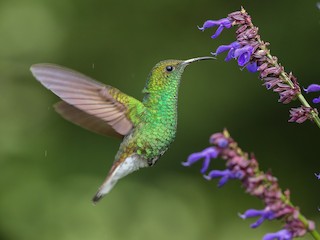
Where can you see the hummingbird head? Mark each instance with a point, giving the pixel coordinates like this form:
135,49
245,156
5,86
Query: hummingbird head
168,73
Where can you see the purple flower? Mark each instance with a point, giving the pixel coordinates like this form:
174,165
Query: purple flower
231,48
316,100
265,214
252,67
222,23
219,139
313,88
317,175
225,175
222,142
283,234
207,154
243,54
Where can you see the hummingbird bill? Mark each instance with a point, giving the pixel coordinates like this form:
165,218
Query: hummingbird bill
146,127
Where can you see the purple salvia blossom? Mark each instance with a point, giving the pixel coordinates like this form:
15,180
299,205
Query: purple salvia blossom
237,51
252,67
207,154
231,48
313,88
316,100
224,176
280,235
222,24
243,54
265,214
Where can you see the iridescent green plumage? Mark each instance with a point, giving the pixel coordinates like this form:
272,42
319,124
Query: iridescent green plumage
156,124
147,127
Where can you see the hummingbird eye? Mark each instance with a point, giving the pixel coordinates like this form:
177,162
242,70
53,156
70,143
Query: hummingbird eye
169,68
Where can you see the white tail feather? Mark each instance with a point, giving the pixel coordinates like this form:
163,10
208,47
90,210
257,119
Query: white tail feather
129,165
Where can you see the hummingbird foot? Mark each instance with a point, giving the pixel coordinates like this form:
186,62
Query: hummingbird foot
152,162
119,170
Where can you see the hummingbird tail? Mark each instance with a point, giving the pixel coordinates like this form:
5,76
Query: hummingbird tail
120,169
103,190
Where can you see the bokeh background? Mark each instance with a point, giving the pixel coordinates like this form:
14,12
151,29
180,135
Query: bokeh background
50,169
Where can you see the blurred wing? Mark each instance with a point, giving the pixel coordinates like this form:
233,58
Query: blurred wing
91,98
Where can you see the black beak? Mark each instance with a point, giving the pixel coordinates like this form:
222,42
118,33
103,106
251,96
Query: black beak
191,60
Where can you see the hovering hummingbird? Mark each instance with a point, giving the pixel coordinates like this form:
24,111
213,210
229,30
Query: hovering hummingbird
146,128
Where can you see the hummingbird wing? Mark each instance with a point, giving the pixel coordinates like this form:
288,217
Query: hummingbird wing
85,120
88,103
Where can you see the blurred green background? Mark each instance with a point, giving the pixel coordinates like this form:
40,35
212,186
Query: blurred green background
50,169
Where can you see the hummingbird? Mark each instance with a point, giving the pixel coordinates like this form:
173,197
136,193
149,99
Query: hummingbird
146,127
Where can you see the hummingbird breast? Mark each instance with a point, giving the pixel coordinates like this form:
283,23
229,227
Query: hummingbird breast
157,130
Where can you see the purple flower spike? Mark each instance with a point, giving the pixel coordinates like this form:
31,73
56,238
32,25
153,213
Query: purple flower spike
222,23
283,234
264,215
225,175
243,54
207,154
317,176
312,88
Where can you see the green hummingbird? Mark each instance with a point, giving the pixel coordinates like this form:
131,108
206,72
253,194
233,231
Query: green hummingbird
146,128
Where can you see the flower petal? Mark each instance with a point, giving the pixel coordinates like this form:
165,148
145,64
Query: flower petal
222,142
245,49
223,180
265,214
251,213
225,22
218,32
223,48
312,88
230,55
252,67
243,54
283,234
205,164
208,153
316,100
